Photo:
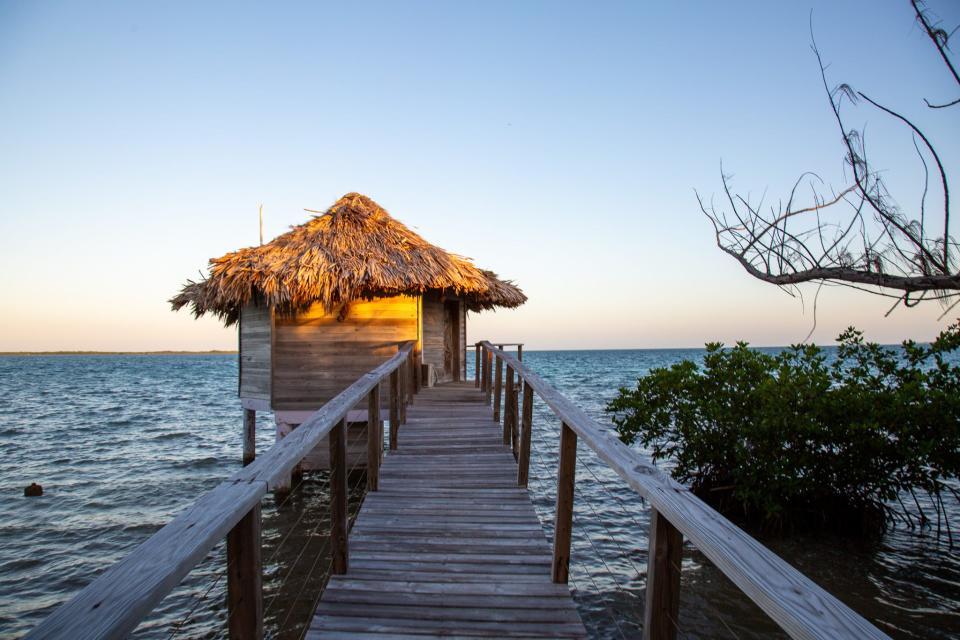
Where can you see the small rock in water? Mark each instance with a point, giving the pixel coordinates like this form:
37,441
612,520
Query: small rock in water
33,490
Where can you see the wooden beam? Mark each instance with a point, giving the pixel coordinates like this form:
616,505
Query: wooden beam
417,373
404,381
563,522
507,415
498,391
488,363
249,436
374,439
394,408
339,553
663,579
476,365
245,578
520,352
526,423
413,366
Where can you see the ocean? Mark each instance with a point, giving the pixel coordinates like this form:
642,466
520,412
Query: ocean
121,444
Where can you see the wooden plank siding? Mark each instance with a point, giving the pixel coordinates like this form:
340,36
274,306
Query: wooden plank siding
255,352
317,354
449,545
433,334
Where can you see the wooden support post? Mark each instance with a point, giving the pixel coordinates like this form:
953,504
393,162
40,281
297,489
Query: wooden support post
283,486
476,366
404,381
374,439
245,578
338,498
526,423
417,374
249,436
394,407
483,372
507,415
520,352
663,579
563,522
488,362
498,390
413,367
515,420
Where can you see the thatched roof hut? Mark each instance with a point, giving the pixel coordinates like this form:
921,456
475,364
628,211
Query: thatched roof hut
334,297
355,250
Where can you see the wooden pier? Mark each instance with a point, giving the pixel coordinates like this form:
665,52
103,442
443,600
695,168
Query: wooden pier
447,541
449,544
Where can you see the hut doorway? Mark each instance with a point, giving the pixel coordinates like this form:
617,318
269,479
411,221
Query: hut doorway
451,340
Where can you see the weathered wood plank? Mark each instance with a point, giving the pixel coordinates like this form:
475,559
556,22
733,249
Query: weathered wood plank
449,542
245,578
339,553
249,435
663,580
563,522
374,439
498,390
526,425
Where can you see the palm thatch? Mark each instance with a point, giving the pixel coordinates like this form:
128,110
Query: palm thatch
355,250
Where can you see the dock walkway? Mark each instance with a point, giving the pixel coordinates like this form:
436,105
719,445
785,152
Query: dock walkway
449,545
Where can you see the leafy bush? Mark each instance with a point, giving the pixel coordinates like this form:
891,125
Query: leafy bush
796,440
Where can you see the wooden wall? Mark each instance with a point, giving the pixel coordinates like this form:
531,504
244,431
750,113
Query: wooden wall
255,352
318,355
433,332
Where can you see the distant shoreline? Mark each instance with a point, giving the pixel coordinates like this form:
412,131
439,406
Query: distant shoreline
118,353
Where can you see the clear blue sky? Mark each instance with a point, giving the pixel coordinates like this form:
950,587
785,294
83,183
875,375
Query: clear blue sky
558,144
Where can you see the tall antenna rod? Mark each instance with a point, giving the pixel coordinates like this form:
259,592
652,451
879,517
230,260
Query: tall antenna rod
261,224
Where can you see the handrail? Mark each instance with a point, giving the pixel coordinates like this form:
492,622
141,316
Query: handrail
118,599
801,607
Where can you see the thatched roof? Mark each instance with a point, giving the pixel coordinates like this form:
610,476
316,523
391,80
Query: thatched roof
352,251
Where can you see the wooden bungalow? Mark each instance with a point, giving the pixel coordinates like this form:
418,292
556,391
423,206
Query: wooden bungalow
333,298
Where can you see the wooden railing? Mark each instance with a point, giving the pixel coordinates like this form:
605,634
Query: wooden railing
797,604
115,602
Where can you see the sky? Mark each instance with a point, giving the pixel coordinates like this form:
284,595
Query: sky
558,144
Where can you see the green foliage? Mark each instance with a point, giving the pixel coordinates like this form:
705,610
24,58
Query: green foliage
792,439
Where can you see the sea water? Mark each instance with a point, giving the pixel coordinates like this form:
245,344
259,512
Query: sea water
121,444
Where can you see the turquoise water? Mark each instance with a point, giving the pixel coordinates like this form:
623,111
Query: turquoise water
123,443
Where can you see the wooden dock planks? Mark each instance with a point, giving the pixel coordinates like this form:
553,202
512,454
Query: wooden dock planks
449,546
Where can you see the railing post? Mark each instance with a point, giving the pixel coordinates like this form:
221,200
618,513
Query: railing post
663,579
374,439
515,419
498,390
394,407
520,352
414,386
249,436
417,373
404,381
563,522
476,365
488,361
507,416
339,554
482,366
244,578
526,423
